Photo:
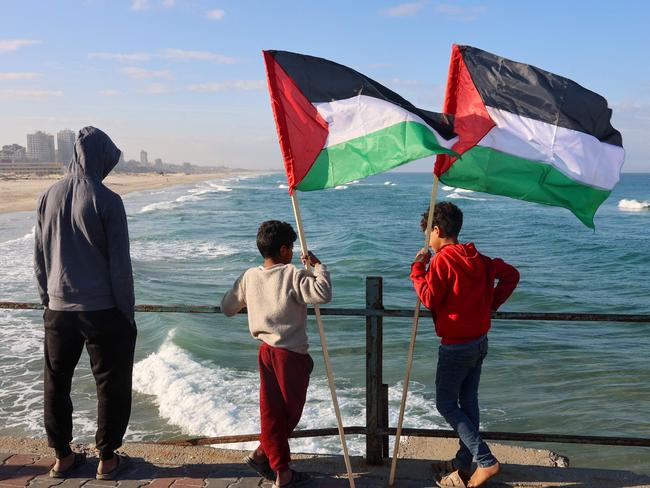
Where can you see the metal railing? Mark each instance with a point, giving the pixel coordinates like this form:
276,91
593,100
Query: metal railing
377,429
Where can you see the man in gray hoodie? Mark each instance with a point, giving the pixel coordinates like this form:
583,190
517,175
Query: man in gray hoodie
85,280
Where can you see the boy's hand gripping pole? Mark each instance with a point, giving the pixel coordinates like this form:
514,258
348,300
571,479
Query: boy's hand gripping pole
326,357
414,332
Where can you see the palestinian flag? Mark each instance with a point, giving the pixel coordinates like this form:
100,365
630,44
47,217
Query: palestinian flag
529,134
336,125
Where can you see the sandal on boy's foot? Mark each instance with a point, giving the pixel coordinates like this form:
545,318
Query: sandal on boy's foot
452,480
123,462
79,460
263,468
298,478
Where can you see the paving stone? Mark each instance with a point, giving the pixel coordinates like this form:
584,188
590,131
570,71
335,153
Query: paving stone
8,471
247,483
220,482
4,455
102,483
43,478
44,482
161,483
133,483
73,482
189,482
46,462
19,480
19,460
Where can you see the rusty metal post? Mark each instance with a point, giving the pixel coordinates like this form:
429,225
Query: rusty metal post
374,353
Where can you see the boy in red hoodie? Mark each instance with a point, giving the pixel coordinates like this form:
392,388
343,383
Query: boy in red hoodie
458,288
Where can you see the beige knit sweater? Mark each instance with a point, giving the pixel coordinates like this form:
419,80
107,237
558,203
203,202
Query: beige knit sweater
276,299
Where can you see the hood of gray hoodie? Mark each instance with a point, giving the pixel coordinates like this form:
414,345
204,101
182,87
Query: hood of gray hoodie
94,156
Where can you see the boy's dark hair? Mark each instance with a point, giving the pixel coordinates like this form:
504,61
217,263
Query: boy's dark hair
272,235
447,216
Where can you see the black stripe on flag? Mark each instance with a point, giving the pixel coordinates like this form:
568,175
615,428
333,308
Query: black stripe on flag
531,92
321,81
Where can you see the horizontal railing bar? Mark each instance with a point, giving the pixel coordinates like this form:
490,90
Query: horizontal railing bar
229,439
395,312
438,433
528,437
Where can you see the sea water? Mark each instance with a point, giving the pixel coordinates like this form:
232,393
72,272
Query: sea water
196,374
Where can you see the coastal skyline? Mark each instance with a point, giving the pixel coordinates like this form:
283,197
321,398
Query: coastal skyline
185,78
40,146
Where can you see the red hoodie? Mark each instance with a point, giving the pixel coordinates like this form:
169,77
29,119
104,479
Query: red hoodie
459,290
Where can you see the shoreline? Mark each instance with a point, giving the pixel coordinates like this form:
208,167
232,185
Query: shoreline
21,194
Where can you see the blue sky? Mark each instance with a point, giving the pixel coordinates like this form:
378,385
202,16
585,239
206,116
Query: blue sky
184,79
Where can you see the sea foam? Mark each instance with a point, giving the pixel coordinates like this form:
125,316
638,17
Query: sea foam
634,205
204,399
177,250
457,195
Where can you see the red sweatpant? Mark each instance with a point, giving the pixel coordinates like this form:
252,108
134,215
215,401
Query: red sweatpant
284,378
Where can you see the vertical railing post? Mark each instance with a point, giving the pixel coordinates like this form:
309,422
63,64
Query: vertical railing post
384,420
374,354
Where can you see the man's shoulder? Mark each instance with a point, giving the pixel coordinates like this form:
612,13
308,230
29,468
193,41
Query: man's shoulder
106,192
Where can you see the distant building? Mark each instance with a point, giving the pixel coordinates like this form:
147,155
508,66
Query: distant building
40,147
143,157
13,153
158,164
187,168
64,145
28,168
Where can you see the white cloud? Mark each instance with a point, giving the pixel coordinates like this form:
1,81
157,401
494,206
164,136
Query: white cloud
140,5
156,89
29,94
143,74
456,12
405,9
10,76
215,14
169,3
110,93
238,85
11,45
183,55
122,57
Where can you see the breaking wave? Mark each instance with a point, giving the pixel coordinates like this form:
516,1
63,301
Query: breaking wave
634,205
457,195
177,250
204,399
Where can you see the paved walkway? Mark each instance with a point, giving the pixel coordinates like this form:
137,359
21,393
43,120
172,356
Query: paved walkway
158,466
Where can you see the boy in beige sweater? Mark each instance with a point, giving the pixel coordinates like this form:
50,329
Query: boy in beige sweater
276,295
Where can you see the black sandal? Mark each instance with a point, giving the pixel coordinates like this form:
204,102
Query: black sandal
263,468
79,460
298,478
123,462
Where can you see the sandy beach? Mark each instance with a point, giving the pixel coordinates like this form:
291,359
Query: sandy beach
21,194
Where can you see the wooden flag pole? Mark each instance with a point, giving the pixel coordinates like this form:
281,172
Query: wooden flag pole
414,332
326,357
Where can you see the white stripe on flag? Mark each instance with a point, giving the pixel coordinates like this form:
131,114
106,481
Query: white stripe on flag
362,115
578,155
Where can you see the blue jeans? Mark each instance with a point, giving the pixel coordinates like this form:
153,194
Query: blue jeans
457,380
